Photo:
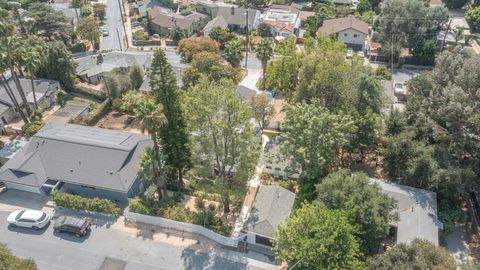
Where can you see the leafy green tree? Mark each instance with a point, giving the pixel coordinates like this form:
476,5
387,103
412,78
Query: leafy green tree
383,72
401,17
365,204
262,109
364,6
314,137
264,30
233,53
187,48
223,146
325,75
264,51
131,100
419,255
47,22
10,261
88,28
111,85
398,153
153,170
174,135
396,123
282,75
311,25
61,97
58,65
425,52
210,65
473,18
100,11
318,238
369,94
221,35
136,76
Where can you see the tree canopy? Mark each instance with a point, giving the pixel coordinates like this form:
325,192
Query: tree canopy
365,204
419,255
318,238
187,48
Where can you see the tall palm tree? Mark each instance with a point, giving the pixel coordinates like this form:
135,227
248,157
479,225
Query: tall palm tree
32,59
264,53
151,118
233,53
7,30
152,170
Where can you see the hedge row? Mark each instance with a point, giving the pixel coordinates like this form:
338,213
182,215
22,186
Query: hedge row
83,203
100,96
99,112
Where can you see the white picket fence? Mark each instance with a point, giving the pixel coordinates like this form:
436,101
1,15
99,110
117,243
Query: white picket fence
183,227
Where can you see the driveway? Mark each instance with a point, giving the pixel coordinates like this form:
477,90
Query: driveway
108,246
457,246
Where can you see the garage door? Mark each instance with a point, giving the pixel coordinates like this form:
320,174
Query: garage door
23,187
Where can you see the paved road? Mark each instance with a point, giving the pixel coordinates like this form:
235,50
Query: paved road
113,22
54,251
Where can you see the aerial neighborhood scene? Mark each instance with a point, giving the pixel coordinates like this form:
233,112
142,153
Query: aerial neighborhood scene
240,134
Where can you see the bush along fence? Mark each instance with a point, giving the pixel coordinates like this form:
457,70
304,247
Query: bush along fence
99,112
92,93
77,202
183,227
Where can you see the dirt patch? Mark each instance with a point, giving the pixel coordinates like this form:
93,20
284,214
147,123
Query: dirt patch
188,202
119,121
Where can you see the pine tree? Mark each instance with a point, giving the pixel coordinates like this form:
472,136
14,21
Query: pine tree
173,134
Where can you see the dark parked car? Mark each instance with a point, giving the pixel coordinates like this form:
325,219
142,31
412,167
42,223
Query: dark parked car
77,226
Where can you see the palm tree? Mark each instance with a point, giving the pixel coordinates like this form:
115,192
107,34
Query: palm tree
7,30
153,170
264,53
151,118
233,53
32,61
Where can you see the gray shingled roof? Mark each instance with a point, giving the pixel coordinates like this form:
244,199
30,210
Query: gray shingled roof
41,87
336,25
91,66
271,208
417,212
218,21
238,17
90,156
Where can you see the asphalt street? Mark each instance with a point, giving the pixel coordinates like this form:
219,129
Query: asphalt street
106,247
113,23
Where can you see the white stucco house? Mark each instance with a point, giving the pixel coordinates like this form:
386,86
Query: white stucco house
348,30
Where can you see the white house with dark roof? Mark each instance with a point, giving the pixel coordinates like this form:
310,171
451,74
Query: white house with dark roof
78,159
348,30
417,212
92,68
272,207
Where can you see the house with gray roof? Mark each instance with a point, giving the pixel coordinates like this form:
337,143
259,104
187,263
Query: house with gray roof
236,18
163,21
92,68
44,92
272,207
417,212
216,22
348,30
78,159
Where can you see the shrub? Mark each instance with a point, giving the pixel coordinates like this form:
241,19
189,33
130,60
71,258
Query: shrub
83,203
31,128
140,35
177,213
61,97
117,104
141,205
99,112
78,47
95,94
199,203
449,217
10,261
383,72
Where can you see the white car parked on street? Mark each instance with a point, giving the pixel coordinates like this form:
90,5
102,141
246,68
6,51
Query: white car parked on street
28,219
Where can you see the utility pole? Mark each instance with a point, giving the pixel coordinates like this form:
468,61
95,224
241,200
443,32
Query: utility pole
119,40
445,36
247,36
123,22
391,55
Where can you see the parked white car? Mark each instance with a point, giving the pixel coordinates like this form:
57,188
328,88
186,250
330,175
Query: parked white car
28,219
399,88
